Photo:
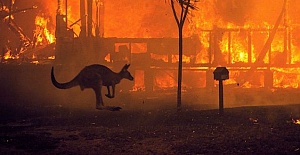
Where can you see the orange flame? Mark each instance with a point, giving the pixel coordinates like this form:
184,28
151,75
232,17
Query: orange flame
139,81
286,77
42,30
7,55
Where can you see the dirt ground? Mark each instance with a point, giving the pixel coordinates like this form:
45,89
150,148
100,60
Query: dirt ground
37,118
61,130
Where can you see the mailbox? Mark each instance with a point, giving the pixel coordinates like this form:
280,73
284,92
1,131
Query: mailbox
221,73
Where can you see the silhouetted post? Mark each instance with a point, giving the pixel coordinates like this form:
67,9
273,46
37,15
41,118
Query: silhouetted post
220,74
221,103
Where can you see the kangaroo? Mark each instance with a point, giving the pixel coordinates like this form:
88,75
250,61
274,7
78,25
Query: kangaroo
95,76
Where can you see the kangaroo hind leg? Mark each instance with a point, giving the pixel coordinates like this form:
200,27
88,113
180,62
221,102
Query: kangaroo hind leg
99,100
108,93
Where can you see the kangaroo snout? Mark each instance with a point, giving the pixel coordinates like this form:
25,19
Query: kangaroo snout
129,77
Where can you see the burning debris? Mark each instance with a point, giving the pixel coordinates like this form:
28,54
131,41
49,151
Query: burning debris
23,48
253,120
296,121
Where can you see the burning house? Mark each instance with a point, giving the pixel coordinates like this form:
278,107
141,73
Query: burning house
259,44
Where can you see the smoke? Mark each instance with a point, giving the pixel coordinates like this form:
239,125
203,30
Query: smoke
234,11
241,12
143,18
31,86
257,12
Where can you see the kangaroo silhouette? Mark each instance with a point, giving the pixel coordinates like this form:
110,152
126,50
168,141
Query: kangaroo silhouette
95,76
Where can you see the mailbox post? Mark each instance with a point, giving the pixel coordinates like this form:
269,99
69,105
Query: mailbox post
220,74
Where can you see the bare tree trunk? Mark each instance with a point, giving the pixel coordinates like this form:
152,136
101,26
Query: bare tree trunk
180,22
180,49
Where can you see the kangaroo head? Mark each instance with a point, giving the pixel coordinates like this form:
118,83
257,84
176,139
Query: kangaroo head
125,73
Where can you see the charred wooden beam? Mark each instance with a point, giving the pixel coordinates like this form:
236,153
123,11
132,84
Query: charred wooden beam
83,18
90,17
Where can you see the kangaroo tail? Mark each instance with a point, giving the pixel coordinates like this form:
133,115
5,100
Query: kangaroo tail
66,85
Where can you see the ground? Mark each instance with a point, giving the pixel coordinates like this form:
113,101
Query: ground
61,130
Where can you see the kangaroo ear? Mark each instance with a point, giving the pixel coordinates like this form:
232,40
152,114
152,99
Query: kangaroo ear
126,67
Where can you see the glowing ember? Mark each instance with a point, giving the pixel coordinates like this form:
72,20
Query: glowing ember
296,121
34,56
51,57
7,55
107,57
253,120
35,62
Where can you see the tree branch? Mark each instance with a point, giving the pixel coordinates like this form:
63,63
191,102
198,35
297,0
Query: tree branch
186,12
174,12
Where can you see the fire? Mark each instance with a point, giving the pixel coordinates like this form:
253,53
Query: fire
139,81
165,80
7,55
51,57
235,30
163,58
202,55
185,59
42,33
236,48
296,121
34,56
107,57
6,10
286,77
